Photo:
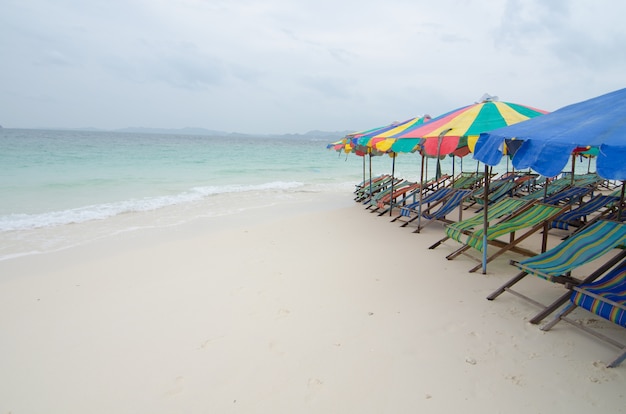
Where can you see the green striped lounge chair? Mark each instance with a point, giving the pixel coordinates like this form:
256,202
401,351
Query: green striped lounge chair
606,298
377,188
533,219
502,208
555,265
501,189
363,188
553,188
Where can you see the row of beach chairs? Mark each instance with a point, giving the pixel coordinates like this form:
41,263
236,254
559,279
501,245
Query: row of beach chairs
519,206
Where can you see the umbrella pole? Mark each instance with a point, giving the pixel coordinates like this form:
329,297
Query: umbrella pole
393,173
419,209
453,165
621,203
364,169
370,174
438,171
573,167
485,218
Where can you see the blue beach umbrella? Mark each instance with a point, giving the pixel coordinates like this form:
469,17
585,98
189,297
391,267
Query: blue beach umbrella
548,141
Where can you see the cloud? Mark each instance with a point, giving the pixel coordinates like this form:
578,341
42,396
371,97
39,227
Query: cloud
290,66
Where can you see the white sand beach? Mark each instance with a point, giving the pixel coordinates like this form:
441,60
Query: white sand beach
309,306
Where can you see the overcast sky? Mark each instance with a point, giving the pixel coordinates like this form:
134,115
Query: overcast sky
291,66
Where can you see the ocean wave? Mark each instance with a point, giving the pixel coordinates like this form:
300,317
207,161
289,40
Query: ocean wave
16,222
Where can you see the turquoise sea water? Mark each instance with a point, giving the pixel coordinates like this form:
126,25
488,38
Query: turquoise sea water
62,188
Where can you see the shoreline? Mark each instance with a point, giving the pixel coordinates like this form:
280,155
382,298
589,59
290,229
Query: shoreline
301,307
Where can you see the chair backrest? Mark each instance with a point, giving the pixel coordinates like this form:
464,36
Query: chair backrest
500,209
586,245
568,194
593,205
536,214
605,297
450,204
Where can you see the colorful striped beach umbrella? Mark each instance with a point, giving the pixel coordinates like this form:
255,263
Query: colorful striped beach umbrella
365,142
457,131
359,142
383,141
362,143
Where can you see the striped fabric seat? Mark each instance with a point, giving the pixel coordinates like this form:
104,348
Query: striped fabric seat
605,297
451,203
502,208
531,217
501,190
596,203
431,198
553,188
468,180
568,195
588,244
398,191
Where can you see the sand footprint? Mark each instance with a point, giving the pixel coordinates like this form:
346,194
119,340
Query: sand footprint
178,387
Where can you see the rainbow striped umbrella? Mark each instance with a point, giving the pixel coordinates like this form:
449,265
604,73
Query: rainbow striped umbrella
359,142
365,143
457,131
384,141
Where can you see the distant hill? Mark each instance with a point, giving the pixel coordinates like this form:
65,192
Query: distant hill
315,134
212,132
183,131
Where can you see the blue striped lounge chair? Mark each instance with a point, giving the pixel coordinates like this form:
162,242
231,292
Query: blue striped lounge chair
606,298
555,265
413,208
454,201
577,215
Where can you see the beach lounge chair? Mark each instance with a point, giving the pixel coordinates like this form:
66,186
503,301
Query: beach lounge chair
502,208
407,191
606,298
468,180
578,216
447,206
413,208
535,217
386,192
569,195
555,265
388,200
364,186
381,185
497,190
588,180
548,188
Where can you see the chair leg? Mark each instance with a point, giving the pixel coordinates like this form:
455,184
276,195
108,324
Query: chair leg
621,357
550,308
566,311
507,285
434,246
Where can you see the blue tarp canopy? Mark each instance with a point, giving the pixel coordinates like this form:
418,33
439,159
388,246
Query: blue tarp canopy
548,141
